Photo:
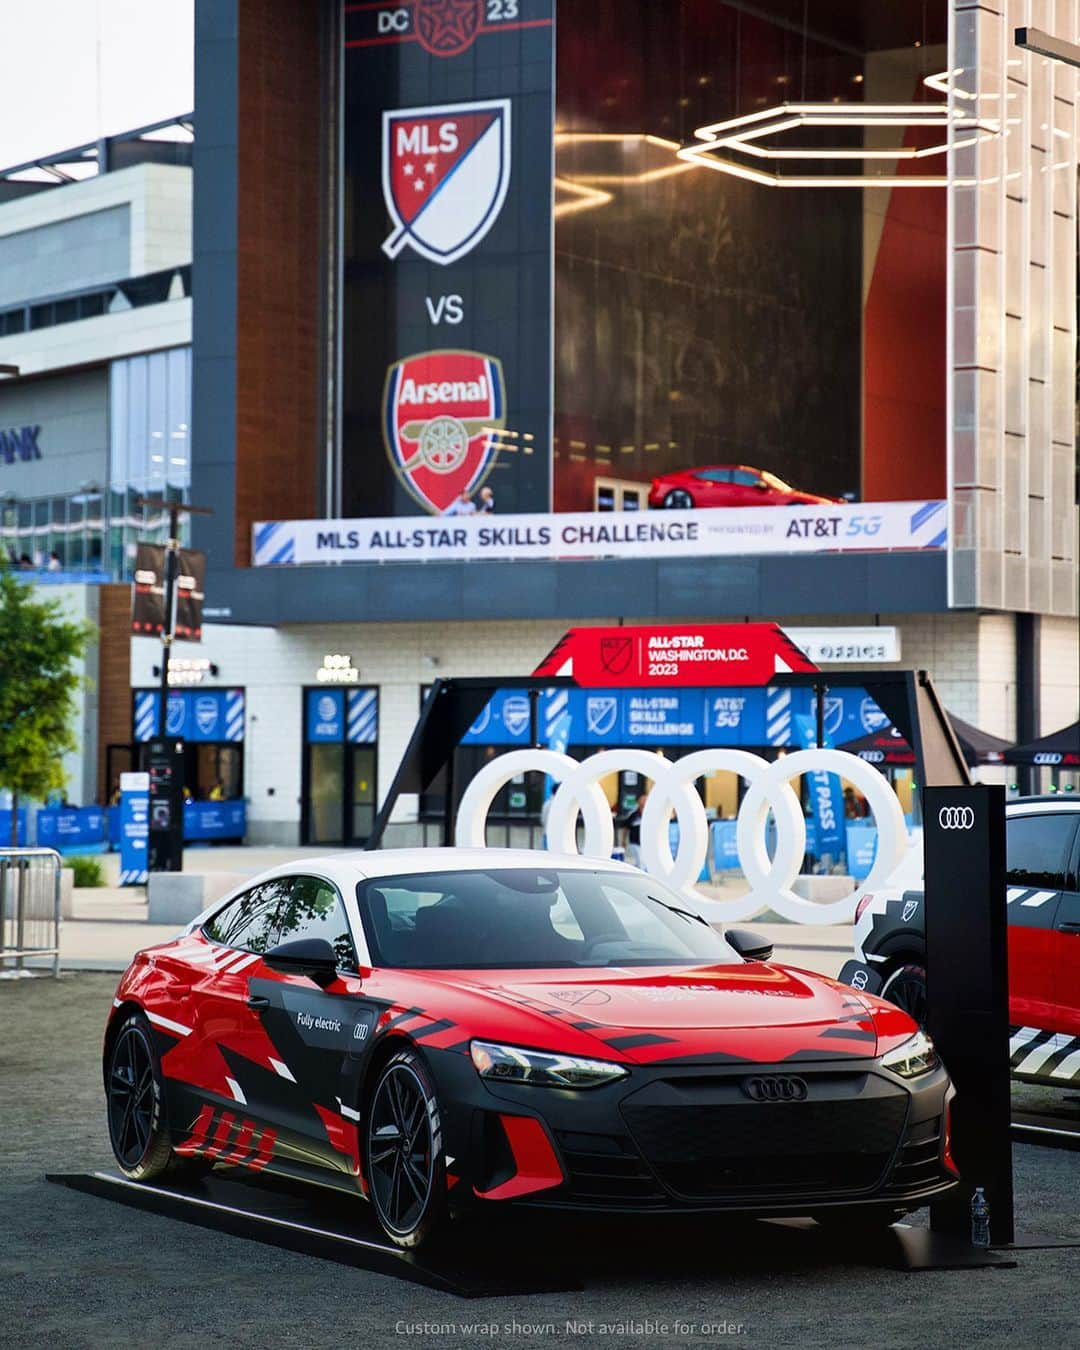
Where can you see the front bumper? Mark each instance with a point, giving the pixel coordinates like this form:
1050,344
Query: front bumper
677,1138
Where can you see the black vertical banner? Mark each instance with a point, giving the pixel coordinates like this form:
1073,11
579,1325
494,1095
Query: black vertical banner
448,121
968,992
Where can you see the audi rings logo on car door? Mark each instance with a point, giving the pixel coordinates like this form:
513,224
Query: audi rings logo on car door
956,817
785,1088
769,862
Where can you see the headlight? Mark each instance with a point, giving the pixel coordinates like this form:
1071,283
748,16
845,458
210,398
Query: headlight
508,1064
914,1057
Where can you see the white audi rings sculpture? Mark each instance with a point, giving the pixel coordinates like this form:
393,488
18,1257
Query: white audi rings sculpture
769,790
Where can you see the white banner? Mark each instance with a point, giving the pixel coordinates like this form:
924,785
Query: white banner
848,527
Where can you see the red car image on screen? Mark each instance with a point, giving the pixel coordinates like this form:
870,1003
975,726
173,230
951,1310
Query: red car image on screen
728,485
446,1029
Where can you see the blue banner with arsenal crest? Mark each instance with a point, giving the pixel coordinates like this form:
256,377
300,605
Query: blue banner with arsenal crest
446,303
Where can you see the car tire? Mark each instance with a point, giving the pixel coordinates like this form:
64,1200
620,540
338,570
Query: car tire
135,1106
678,499
905,985
404,1161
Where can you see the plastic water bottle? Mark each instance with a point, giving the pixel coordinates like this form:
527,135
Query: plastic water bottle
980,1219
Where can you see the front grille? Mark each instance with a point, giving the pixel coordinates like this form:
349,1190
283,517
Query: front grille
918,1166
706,1140
605,1169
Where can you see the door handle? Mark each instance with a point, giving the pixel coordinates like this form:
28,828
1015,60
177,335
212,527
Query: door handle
258,1002
1069,927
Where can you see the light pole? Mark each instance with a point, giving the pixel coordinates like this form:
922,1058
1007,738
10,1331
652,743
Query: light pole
170,571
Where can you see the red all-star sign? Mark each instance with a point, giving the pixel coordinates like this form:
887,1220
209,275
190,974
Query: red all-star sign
692,655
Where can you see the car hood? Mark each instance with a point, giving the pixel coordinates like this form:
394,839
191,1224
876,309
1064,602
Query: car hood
750,1011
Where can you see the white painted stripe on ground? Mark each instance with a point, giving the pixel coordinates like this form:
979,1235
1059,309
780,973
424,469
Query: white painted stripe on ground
168,1024
282,1069
1039,898
236,1090
1020,1037
1038,1057
1069,1066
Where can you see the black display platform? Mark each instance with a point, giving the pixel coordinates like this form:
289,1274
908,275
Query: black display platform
533,1252
318,1223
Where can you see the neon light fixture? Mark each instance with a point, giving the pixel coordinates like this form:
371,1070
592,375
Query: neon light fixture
719,142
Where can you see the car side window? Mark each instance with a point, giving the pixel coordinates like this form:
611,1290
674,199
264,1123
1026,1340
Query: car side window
1037,849
714,475
313,909
745,478
250,922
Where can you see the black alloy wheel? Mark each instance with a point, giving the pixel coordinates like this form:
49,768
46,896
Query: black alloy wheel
131,1096
678,499
404,1152
906,987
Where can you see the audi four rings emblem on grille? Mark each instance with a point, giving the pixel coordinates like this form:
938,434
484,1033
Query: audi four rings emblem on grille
775,1089
956,817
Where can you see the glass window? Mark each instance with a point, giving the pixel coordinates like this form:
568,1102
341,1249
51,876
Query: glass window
1036,849
746,478
250,921
313,909
714,475
509,918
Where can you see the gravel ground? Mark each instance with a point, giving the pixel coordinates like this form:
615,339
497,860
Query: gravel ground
78,1271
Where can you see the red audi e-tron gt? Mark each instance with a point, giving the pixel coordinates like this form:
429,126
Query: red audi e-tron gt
442,1029
728,485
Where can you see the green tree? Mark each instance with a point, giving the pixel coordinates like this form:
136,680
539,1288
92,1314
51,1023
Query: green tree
38,682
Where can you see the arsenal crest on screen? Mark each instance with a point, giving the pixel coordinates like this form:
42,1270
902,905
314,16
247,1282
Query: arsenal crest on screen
445,173
442,413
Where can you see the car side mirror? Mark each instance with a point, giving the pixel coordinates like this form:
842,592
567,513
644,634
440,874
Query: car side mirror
313,957
749,945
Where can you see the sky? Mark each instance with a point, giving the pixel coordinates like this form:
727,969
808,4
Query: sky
77,69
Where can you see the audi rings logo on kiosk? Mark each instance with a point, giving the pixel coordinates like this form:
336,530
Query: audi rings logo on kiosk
769,793
956,817
786,1088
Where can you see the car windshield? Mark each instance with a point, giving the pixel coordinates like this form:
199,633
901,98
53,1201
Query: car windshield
514,918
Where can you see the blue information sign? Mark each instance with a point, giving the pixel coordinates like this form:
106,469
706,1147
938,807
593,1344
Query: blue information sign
134,828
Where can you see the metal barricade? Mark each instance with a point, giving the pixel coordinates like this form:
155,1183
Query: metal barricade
29,908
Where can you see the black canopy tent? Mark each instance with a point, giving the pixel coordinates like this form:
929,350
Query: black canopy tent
1058,750
887,746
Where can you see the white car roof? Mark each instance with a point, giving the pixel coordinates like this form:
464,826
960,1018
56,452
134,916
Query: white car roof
345,869
360,865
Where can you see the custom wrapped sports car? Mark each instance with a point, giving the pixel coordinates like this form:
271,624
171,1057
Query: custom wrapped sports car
437,1030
